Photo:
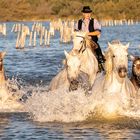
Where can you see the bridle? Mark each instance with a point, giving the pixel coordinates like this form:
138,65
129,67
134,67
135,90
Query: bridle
1,61
83,46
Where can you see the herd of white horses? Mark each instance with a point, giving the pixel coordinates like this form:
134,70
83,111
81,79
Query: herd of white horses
113,85
81,71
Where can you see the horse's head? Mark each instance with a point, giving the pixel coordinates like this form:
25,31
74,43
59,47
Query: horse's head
78,39
136,65
2,54
119,58
73,64
81,41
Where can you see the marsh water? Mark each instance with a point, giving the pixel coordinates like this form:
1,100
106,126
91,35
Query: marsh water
34,67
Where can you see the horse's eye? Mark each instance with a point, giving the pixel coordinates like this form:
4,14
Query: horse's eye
113,55
81,42
134,65
68,67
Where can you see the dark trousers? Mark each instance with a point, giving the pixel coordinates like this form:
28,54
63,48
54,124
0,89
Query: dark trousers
99,54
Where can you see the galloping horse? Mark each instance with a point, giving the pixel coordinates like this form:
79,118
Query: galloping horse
115,83
86,46
61,79
88,65
135,76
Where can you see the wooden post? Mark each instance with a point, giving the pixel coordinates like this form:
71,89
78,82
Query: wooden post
23,38
17,41
41,36
4,29
31,36
48,39
13,28
34,39
45,37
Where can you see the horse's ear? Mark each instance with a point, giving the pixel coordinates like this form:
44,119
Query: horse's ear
131,57
3,54
66,54
127,45
109,45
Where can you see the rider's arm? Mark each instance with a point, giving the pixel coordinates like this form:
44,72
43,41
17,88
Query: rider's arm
97,28
95,33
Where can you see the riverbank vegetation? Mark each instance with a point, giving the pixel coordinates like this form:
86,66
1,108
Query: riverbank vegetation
17,10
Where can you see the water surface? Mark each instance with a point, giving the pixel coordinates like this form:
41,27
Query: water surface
36,66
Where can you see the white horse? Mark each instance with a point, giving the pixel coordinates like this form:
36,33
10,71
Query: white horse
114,87
68,77
86,46
88,63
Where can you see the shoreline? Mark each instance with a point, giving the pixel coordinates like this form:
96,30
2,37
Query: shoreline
63,19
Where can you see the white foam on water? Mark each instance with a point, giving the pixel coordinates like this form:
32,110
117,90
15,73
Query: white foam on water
134,111
64,106
60,105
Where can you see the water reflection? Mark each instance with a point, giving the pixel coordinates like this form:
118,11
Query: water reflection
4,123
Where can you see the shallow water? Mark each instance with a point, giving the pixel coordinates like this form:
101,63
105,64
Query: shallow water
34,67
19,126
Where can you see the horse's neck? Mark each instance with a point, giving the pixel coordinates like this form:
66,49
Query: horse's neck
88,58
89,64
76,47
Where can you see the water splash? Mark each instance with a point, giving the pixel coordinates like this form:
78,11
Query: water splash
63,106
10,97
60,105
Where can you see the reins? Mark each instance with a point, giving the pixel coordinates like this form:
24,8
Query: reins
84,44
1,65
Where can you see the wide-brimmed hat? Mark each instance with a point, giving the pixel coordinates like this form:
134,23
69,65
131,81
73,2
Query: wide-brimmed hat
86,9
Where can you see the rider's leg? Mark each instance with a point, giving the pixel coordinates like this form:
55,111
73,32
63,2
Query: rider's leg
100,58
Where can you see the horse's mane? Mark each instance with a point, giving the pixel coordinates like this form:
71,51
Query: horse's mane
108,63
90,43
115,42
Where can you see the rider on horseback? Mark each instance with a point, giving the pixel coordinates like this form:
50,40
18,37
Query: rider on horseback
93,29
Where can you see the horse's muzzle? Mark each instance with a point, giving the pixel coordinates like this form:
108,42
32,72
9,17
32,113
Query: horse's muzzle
73,85
122,71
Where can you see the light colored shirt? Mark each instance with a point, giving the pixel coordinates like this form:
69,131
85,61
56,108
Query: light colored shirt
85,25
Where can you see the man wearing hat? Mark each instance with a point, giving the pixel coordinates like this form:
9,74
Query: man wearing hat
93,29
